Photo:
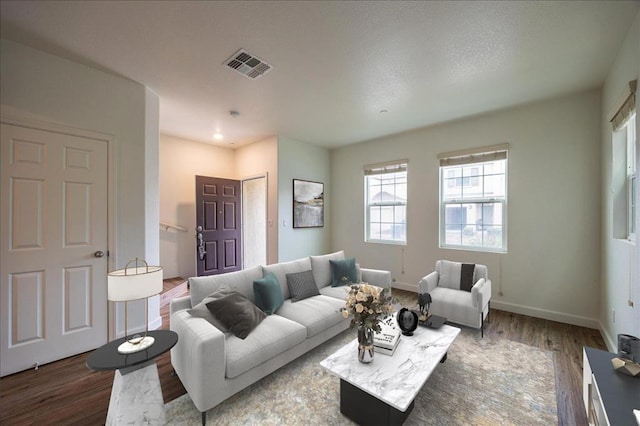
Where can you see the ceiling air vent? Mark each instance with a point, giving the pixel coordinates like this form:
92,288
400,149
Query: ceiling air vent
247,65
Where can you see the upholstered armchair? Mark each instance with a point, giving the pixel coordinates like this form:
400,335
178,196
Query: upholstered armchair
459,292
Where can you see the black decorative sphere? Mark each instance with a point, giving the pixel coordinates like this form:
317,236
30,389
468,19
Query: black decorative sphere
408,321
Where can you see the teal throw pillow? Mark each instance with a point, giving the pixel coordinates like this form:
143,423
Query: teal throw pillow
268,293
343,272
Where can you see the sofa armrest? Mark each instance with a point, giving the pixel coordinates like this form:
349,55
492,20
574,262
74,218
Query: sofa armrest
376,277
198,357
179,303
481,293
428,283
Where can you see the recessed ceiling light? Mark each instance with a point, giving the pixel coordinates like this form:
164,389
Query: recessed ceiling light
218,136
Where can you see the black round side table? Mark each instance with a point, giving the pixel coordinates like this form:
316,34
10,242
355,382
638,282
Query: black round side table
136,396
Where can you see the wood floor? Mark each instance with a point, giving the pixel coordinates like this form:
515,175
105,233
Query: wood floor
67,392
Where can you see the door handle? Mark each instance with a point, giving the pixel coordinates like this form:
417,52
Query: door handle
201,250
99,253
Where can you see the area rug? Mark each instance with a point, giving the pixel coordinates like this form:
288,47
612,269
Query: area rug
488,381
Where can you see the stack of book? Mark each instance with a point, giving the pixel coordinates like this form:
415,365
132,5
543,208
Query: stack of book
387,340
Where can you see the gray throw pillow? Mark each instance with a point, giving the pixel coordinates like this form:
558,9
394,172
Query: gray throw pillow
237,313
201,310
343,272
302,285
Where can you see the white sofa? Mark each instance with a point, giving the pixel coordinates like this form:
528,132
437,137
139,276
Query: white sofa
460,306
213,365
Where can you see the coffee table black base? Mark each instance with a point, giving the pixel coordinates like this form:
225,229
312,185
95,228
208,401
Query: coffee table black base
365,409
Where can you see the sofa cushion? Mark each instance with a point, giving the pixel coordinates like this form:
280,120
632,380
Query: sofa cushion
316,313
321,268
280,270
237,313
301,285
268,293
336,292
273,336
343,272
240,281
202,311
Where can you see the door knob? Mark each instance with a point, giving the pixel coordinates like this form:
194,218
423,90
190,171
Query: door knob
99,253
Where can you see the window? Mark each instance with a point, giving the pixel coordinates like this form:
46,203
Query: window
386,202
624,170
473,199
631,177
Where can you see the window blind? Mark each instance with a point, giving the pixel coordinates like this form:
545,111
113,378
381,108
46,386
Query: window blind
384,168
474,155
627,108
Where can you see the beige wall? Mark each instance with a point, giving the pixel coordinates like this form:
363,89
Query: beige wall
620,281
258,159
552,268
180,161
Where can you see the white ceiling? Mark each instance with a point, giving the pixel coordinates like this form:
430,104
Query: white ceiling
336,65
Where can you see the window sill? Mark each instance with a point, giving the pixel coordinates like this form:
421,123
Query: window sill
387,242
474,249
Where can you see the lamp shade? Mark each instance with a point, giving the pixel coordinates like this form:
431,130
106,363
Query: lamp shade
134,283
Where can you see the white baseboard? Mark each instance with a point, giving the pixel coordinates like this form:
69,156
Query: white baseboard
405,286
536,313
156,323
547,314
612,344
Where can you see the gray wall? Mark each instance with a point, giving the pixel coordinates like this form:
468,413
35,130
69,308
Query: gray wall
297,160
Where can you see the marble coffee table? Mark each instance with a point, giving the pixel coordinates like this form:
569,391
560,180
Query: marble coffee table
383,391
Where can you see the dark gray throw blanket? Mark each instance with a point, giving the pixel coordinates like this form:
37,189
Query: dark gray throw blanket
466,276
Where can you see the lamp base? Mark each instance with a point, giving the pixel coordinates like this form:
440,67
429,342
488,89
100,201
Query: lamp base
136,344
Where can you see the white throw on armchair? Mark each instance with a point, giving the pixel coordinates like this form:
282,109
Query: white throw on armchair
460,294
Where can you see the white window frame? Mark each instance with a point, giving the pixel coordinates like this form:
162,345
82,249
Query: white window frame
472,157
372,171
630,127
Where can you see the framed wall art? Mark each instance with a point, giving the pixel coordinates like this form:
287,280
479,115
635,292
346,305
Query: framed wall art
308,204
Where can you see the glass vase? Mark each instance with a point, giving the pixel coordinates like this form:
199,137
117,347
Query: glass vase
365,345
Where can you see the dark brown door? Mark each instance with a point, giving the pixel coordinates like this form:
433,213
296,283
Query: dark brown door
218,225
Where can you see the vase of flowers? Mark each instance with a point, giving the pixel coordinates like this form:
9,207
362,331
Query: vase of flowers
367,305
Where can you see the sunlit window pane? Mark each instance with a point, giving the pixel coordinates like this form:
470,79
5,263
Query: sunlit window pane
473,203
386,196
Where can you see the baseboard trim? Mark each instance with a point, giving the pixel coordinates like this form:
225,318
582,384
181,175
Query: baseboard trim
156,324
547,314
405,286
612,344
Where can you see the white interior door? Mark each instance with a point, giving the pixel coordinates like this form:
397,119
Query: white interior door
54,226
254,221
